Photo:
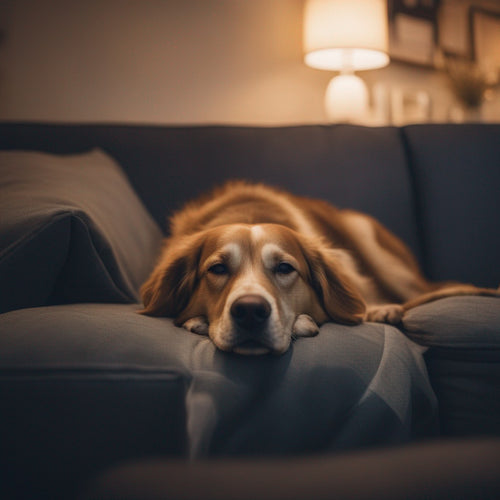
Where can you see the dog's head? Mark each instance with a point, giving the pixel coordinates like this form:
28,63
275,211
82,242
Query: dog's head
251,288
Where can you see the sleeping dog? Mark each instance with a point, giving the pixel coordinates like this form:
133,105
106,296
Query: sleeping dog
254,267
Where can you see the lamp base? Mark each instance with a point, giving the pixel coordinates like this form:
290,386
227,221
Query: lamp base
346,99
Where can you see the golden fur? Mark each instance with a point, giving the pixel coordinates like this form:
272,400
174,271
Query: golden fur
253,267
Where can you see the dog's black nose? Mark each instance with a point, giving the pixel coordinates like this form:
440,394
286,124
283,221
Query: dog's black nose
250,311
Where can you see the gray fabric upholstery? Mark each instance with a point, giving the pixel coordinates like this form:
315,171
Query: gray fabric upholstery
71,230
85,385
456,322
457,181
348,387
463,360
435,186
363,168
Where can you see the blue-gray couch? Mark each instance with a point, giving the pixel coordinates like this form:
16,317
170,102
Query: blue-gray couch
87,383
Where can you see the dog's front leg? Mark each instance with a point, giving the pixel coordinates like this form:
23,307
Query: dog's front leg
304,326
198,324
386,313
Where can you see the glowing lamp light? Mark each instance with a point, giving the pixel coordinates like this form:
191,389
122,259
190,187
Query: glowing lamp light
346,36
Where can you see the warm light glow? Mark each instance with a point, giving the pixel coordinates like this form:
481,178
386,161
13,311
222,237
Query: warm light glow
338,59
346,98
346,34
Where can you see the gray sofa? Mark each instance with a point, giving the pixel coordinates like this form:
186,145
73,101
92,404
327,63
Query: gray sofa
86,383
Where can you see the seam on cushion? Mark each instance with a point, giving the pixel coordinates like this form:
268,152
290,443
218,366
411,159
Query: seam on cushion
416,200
123,293
464,345
54,373
464,355
367,391
122,282
79,216
23,240
390,347
369,385
22,256
55,218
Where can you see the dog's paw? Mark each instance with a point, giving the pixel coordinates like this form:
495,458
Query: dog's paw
198,324
305,326
387,313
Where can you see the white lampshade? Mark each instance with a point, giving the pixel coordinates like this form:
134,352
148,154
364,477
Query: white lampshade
346,34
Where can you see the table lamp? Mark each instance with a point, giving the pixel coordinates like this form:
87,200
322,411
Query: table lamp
346,36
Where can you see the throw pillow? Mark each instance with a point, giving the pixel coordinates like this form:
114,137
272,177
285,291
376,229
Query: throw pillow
71,230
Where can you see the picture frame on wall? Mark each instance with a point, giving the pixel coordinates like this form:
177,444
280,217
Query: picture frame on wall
484,32
413,31
454,29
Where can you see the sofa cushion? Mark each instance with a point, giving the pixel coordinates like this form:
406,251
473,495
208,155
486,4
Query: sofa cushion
71,230
347,387
463,360
82,387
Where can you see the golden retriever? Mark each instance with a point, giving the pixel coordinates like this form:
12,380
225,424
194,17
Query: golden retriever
254,267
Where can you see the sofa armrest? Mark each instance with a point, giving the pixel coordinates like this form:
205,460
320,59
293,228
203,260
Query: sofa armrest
467,322
463,360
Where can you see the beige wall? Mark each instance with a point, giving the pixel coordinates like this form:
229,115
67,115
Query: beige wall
158,61
169,61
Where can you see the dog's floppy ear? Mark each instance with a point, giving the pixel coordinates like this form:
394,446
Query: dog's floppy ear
338,296
172,282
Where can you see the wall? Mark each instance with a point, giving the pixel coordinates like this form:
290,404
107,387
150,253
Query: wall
169,61
158,61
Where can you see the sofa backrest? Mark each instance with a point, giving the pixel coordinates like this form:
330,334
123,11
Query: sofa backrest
456,172
406,177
